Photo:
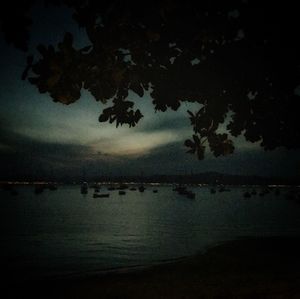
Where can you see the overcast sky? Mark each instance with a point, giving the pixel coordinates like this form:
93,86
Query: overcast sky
39,137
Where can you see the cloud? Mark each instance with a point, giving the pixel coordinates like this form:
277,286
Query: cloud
148,152
135,144
173,159
21,155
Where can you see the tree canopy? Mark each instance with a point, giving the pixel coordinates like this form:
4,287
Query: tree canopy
237,58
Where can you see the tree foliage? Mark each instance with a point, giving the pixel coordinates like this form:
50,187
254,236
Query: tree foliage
231,56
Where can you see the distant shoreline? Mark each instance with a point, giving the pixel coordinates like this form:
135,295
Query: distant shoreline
134,183
208,178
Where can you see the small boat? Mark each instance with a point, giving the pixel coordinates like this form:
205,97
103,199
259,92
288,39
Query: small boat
111,188
96,187
121,192
155,191
247,194
38,189
212,191
183,192
190,195
102,195
264,192
14,192
52,187
142,188
181,189
132,189
84,188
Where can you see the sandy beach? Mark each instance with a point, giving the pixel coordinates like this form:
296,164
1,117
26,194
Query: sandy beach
245,268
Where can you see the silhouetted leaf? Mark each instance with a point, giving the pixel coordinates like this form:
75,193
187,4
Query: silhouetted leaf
137,88
163,38
200,152
189,143
103,117
68,40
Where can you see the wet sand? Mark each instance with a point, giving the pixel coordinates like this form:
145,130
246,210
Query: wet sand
246,268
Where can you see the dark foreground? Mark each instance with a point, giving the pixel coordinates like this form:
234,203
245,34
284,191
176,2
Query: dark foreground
250,268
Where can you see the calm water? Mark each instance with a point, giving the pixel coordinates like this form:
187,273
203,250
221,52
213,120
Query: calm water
66,233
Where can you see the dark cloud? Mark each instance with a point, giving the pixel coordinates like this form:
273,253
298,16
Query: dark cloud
23,156
162,123
172,159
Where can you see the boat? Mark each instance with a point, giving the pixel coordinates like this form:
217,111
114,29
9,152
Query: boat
142,188
121,192
212,190
84,188
111,188
263,192
38,189
155,191
14,192
96,187
52,187
181,189
190,195
101,195
132,189
247,194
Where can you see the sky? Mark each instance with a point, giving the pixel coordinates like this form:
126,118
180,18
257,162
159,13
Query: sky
40,138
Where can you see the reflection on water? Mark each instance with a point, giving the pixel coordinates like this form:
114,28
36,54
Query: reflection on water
65,232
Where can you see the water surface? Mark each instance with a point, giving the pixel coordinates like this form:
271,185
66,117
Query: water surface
66,233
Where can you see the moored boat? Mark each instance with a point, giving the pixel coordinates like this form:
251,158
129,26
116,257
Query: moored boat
52,186
142,188
212,190
247,194
190,195
84,188
101,195
38,189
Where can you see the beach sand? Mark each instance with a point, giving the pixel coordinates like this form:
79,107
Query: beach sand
246,268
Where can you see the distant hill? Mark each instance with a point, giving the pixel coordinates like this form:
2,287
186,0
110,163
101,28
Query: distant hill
206,178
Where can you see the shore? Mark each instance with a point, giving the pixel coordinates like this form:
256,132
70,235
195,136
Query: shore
246,268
